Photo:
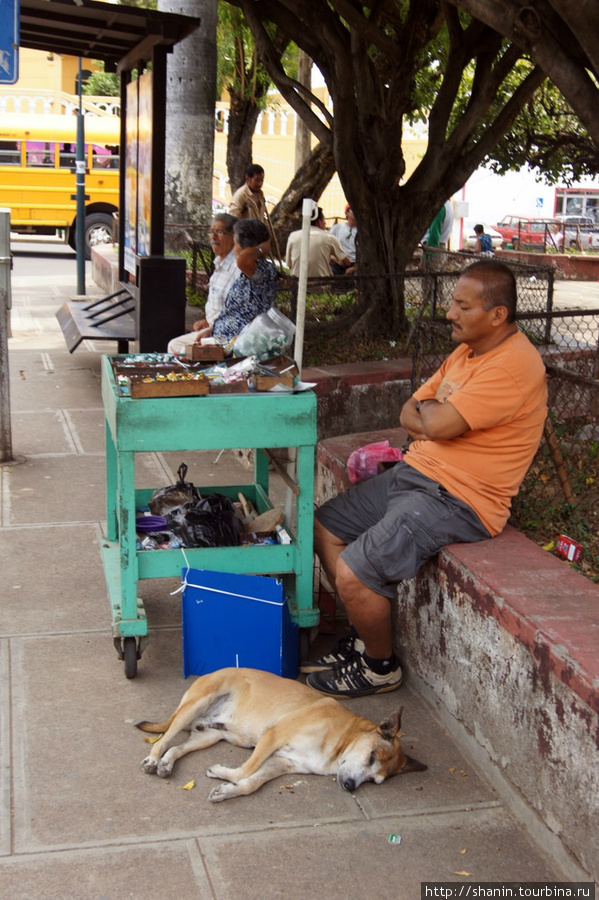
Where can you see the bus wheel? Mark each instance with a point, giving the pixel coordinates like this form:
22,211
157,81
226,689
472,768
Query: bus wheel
98,230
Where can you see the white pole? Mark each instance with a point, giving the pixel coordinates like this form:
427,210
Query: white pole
308,207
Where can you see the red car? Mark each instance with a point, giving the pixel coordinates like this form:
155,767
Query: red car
526,229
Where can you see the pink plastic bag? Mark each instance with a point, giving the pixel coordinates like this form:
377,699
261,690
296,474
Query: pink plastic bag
363,463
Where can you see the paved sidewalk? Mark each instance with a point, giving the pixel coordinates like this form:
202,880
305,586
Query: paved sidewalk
78,818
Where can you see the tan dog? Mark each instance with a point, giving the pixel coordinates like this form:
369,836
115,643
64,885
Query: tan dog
292,727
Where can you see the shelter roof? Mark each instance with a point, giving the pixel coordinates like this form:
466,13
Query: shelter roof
99,30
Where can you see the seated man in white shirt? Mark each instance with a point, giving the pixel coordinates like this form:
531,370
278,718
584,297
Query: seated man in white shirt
347,235
323,246
225,273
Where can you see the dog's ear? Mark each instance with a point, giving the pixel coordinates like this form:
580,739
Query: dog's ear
412,765
390,727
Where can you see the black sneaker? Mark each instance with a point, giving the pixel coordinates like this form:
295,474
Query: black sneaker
354,678
340,653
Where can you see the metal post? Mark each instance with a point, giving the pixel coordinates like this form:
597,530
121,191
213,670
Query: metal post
5,305
80,191
308,206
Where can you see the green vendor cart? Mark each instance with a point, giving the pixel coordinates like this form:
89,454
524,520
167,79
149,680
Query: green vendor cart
211,422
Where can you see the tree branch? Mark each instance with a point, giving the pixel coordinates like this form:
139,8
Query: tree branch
564,66
296,94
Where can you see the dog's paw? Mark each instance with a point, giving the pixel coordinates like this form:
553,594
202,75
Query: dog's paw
222,792
165,767
149,765
217,771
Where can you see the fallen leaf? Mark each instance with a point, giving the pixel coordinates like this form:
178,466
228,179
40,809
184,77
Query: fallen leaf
549,546
153,740
463,773
463,873
465,850
189,786
452,770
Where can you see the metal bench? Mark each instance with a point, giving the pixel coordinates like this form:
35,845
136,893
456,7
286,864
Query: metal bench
110,318
150,312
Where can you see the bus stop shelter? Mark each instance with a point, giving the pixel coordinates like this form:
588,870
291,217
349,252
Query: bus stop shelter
133,42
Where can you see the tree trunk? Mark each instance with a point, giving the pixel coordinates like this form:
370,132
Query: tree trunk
191,96
303,135
309,181
243,115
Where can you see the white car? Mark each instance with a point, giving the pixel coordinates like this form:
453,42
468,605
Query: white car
469,237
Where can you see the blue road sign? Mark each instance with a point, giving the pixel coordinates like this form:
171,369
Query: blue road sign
10,11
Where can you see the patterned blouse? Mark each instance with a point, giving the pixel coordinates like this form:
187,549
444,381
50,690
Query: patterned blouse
247,298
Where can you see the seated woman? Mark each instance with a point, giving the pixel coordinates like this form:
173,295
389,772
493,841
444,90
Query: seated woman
255,290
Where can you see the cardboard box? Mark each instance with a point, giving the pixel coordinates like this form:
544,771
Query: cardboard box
281,373
236,620
231,387
192,388
206,352
268,382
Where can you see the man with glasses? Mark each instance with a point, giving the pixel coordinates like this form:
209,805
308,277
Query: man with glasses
224,274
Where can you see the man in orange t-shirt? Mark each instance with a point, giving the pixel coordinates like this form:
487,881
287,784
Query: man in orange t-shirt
475,428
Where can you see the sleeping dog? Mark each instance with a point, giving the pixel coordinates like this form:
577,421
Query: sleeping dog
291,727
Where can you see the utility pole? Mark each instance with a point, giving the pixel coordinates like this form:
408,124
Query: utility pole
5,304
80,190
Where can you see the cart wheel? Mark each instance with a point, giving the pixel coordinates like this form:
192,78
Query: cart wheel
130,657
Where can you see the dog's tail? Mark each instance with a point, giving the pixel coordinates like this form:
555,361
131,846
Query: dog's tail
155,727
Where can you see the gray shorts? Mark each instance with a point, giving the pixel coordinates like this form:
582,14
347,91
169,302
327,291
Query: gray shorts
394,522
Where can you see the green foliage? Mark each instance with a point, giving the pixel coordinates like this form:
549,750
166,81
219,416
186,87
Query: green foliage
102,84
548,137
239,70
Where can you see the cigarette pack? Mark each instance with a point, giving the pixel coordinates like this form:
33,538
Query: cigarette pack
569,548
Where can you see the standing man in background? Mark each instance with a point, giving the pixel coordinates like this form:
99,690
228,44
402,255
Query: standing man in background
248,201
440,228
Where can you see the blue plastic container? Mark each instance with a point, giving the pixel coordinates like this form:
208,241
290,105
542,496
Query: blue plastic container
237,620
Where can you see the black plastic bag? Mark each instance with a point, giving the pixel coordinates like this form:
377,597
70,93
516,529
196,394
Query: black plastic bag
167,498
211,522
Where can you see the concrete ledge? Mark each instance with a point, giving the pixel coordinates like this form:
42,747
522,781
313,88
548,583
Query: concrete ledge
332,455
579,267
504,636
105,267
360,396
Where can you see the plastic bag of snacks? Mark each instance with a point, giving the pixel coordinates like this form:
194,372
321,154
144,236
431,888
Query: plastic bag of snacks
269,334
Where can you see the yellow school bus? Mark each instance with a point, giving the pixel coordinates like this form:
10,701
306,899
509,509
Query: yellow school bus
37,175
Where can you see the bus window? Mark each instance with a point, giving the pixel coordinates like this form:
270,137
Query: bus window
67,155
105,157
10,153
39,154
